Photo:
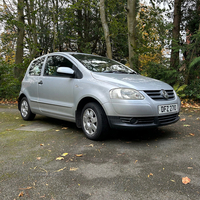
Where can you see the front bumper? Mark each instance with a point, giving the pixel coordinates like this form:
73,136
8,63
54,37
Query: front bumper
142,122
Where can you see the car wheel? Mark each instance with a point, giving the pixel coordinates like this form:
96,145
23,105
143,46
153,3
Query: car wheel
94,121
25,110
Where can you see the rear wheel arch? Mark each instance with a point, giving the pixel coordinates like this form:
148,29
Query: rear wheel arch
25,109
19,100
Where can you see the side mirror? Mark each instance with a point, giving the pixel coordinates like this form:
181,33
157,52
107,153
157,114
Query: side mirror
65,70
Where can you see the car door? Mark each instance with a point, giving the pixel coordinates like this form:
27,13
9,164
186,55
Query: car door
30,83
56,96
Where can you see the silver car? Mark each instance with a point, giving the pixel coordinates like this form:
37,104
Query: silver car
96,93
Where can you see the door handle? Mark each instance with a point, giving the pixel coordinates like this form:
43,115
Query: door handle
40,83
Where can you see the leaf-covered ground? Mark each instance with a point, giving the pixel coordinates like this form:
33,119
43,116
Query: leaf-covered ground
60,163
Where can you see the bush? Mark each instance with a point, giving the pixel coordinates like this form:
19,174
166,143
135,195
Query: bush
10,86
193,89
163,73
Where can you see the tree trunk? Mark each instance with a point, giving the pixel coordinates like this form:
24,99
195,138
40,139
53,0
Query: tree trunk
131,19
105,28
20,38
31,18
174,60
54,27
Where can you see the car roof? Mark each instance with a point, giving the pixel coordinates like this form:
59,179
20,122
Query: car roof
65,53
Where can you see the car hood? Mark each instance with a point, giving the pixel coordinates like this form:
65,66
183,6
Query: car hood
135,81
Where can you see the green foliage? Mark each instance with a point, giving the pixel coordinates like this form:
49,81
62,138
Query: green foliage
76,26
161,72
194,62
193,89
180,89
10,86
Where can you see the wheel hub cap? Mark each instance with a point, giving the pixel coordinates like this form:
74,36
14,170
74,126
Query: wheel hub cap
90,121
24,108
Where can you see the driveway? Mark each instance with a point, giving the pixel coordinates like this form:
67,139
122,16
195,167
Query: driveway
51,159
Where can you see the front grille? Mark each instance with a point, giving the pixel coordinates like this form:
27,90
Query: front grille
156,94
137,120
167,118
126,119
145,120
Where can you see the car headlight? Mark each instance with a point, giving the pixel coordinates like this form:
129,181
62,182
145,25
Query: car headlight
125,93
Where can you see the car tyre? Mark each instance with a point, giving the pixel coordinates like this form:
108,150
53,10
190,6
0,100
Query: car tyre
94,121
25,110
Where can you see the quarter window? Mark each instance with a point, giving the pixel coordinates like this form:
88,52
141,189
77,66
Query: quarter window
52,64
36,67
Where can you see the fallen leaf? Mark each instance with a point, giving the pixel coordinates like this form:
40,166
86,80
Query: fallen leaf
57,130
41,144
61,169
73,169
172,181
190,167
185,180
21,194
22,125
59,158
91,145
186,125
28,188
64,128
192,134
150,175
17,118
79,155
64,154
38,158
183,120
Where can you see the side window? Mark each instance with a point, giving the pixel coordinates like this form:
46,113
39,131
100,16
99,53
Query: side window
52,64
36,67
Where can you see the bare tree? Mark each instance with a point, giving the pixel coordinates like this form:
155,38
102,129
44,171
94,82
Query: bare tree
131,18
174,60
20,37
105,28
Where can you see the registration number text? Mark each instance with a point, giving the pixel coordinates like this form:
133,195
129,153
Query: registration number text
167,108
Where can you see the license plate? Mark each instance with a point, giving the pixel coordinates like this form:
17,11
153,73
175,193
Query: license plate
167,108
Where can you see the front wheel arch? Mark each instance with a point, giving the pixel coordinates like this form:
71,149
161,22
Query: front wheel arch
94,121
80,107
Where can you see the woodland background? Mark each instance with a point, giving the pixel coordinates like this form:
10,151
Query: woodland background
159,39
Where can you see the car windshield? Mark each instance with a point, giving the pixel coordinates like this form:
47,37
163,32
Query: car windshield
102,64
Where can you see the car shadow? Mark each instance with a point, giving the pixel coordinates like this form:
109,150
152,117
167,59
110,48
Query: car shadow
143,135
136,135
55,122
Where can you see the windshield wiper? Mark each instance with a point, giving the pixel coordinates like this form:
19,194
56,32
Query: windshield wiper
119,72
